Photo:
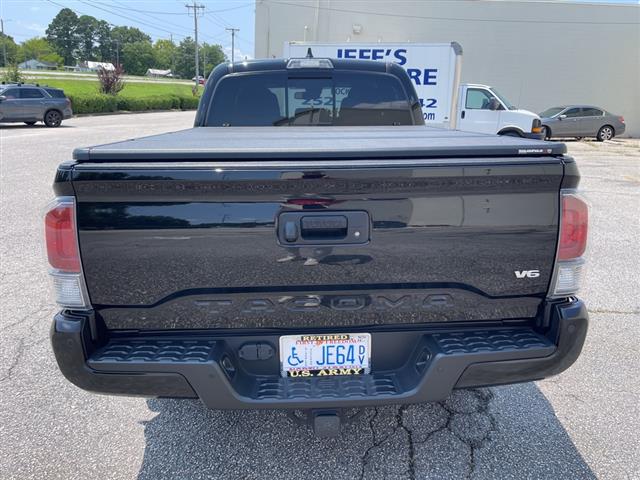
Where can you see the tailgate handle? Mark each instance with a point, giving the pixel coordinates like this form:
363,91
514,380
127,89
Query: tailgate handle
323,228
319,227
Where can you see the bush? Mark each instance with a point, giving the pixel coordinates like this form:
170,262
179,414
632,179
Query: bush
111,80
12,74
175,102
137,104
101,103
189,103
96,103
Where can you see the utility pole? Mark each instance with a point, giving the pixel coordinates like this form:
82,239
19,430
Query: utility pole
233,44
173,56
204,63
4,44
195,8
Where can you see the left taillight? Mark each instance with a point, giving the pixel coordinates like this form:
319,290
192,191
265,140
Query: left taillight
63,253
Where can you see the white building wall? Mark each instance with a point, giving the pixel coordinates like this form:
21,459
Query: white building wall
539,54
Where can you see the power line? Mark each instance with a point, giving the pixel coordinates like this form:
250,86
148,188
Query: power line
214,38
78,12
221,22
149,14
457,19
215,21
150,25
156,12
152,12
230,8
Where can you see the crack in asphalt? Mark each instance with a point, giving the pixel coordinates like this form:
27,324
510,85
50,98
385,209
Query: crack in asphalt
23,318
617,312
375,444
14,363
412,449
459,422
484,397
22,344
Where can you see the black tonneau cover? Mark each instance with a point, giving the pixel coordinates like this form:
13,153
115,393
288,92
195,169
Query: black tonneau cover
277,143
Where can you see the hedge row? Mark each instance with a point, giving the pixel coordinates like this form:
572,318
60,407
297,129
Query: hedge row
99,103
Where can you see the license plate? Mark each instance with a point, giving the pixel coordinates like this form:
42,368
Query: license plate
325,355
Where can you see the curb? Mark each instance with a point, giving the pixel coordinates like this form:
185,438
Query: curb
127,112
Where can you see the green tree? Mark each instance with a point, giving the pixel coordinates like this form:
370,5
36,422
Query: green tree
86,31
210,56
8,45
62,34
137,57
105,50
185,58
165,52
40,49
125,35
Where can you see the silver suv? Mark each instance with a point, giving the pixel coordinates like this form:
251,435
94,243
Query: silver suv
32,103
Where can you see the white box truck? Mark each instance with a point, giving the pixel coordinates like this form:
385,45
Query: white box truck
435,68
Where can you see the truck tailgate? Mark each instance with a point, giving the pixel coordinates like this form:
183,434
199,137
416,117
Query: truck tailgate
196,245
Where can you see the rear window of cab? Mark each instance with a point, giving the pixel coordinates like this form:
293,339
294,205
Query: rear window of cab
341,99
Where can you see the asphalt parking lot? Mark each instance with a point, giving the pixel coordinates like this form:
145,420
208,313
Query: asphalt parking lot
583,423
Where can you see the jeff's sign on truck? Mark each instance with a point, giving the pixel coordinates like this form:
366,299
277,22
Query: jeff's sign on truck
434,69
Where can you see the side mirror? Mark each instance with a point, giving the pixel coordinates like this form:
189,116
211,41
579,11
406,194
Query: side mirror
562,117
2,98
494,104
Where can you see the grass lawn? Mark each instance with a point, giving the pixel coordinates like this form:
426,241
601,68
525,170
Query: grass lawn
131,89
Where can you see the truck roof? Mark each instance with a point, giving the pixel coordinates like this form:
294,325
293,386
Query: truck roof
281,64
276,143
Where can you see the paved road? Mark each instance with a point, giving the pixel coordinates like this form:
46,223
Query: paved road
581,424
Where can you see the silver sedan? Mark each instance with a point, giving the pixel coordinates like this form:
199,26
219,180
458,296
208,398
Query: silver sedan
581,121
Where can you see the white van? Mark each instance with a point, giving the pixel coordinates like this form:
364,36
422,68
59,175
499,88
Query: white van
482,109
435,70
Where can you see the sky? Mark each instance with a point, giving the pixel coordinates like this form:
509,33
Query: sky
25,19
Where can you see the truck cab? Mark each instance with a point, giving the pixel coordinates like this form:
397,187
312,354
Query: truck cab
482,109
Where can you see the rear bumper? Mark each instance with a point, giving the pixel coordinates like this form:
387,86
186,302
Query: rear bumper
209,367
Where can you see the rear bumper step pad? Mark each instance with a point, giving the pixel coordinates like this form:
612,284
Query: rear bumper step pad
439,362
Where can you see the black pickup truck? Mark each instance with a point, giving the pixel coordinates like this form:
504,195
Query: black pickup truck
315,267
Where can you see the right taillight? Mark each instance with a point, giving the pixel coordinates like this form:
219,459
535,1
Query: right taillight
572,243
574,223
63,254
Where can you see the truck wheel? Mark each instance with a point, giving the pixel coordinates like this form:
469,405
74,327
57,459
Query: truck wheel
53,118
605,133
546,132
511,133
31,124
